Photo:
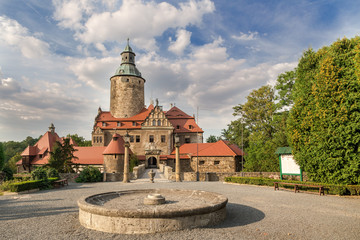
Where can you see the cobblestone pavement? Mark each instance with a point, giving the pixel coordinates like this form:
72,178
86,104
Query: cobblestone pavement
253,213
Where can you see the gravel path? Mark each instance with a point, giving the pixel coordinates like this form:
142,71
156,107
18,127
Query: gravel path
253,213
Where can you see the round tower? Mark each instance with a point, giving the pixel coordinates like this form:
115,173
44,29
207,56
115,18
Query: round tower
127,87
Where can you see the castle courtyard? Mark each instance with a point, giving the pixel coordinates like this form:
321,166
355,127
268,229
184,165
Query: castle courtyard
252,213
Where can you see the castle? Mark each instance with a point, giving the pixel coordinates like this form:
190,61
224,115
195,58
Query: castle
151,131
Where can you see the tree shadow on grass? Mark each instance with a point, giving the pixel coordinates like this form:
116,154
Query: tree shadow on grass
240,215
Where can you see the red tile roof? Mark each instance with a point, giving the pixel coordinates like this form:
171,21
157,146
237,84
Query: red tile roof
116,146
175,112
41,149
89,155
176,117
220,148
126,123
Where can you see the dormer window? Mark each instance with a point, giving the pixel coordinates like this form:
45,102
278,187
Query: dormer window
177,126
134,124
104,124
118,124
190,127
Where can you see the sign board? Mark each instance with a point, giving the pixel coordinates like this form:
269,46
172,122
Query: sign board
288,165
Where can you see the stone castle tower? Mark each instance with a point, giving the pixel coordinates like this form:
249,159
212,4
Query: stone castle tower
127,87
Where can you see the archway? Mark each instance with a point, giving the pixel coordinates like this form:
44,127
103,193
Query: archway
152,162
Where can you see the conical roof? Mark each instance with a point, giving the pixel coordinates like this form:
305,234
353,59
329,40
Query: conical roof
116,146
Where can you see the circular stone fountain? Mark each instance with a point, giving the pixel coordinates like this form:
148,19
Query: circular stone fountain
151,210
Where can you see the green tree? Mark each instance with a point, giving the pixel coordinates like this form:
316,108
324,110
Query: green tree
324,122
2,156
284,86
134,161
212,139
62,155
80,141
12,147
259,129
12,162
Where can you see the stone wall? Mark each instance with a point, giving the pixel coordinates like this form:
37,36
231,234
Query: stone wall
220,176
138,171
213,164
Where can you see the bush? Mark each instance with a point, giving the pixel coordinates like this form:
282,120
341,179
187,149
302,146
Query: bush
334,189
52,173
8,173
23,186
134,161
39,174
89,174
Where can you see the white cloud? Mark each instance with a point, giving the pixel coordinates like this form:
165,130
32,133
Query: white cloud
246,36
139,20
182,41
17,36
95,72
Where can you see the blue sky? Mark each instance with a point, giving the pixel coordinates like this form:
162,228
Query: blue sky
56,58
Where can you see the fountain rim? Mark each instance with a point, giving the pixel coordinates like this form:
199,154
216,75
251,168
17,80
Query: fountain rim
219,202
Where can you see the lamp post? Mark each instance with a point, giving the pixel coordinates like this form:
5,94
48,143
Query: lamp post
197,157
126,158
177,156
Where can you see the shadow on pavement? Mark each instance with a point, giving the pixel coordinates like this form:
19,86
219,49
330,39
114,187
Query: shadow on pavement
240,215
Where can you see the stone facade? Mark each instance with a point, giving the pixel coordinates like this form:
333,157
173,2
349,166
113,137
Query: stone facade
114,163
126,96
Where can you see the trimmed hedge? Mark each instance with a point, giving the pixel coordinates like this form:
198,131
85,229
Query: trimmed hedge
334,189
32,184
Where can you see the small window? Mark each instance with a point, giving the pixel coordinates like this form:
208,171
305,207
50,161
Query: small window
104,124
137,138
151,138
40,155
100,139
201,162
163,138
190,127
118,124
159,122
127,80
134,124
177,126
97,139
94,139
131,138
154,122
216,162
187,139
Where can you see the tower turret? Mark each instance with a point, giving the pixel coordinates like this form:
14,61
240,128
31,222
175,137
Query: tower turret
127,87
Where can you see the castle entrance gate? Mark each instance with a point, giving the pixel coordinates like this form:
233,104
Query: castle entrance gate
152,162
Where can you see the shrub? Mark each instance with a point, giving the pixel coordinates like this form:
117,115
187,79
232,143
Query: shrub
89,174
335,189
39,174
52,173
134,161
8,173
23,186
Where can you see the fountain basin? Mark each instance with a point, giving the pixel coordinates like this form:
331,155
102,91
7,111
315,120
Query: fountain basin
125,211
